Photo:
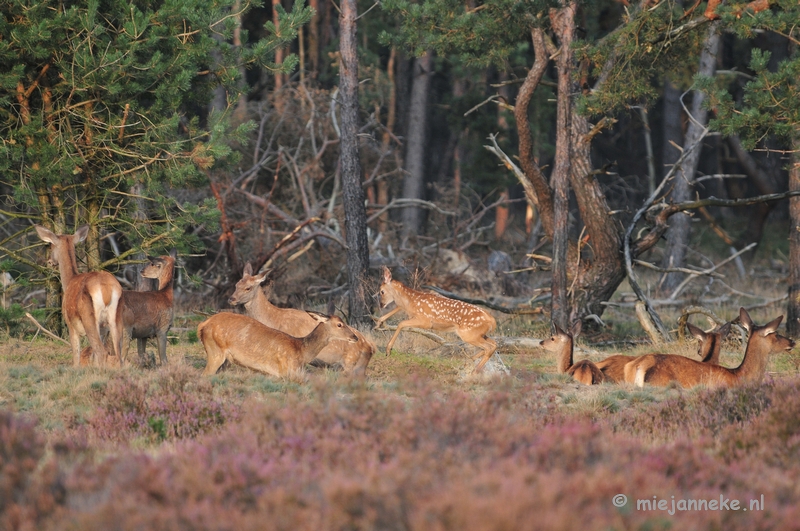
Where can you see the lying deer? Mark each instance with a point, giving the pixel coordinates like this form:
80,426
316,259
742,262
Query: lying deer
613,367
562,343
435,312
147,314
243,340
90,300
661,369
354,358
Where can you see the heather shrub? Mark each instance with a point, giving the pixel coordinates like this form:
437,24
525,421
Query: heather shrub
176,405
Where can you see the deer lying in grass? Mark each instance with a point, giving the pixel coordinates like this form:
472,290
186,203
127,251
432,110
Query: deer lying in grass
562,343
90,300
613,367
661,369
147,314
354,358
435,312
243,340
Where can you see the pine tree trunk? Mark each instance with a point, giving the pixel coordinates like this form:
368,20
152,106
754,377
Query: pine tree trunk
352,192
563,22
678,232
793,313
414,182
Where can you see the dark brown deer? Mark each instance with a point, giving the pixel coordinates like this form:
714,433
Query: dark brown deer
244,341
435,312
90,300
147,314
661,369
708,350
353,358
562,344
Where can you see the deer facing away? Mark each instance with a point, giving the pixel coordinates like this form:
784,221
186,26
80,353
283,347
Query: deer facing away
562,343
435,312
708,350
661,369
244,341
90,300
354,358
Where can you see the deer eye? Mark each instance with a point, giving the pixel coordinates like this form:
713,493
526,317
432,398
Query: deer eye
249,289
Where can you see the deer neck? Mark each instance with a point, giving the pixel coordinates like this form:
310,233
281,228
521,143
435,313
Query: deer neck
565,358
402,293
259,306
754,363
67,267
709,349
314,342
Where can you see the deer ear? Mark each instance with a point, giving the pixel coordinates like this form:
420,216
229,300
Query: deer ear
173,253
81,234
319,317
576,328
696,332
744,319
772,326
724,330
45,234
248,269
558,331
262,276
387,275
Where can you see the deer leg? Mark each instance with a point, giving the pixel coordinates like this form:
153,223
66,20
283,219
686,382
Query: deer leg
489,348
416,322
141,349
382,319
75,343
162,346
215,357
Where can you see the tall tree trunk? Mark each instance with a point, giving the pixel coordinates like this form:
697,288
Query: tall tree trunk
563,21
792,325
313,40
279,51
355,213
414,182
678,232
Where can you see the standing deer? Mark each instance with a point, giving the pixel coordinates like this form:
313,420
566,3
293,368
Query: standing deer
90,300
354,358
613,367
661,369
147,314
562,343
245,341
435,312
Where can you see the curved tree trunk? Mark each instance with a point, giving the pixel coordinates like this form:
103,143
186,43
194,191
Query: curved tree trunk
355,213
678,232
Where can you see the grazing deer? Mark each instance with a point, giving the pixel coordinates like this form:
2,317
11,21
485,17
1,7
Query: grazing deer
661,369
562,343
148,314
90,300
245,341
354,358
435,312
613,367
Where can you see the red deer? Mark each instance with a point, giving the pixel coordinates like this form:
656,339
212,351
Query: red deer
90,300
562,343
661,369
244,341
613,367
435,312
354,358
148,314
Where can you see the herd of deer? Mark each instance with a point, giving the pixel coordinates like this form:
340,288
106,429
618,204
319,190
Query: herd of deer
281,341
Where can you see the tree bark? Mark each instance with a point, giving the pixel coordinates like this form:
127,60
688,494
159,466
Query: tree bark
414,182
678,232
793,313
352,192
563,21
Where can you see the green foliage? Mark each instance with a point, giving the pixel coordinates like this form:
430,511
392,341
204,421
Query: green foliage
769,105
102,111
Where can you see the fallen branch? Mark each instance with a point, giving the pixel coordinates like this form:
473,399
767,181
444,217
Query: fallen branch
709,270
45,330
